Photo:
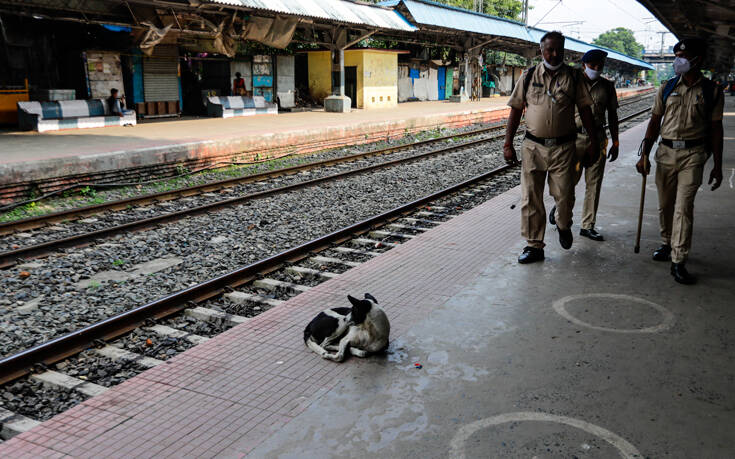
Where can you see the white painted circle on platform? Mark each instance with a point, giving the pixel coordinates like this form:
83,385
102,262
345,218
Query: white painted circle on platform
668,317
457,445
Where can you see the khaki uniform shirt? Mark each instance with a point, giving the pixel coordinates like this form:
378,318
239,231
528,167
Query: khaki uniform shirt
604,98
550,100
685,117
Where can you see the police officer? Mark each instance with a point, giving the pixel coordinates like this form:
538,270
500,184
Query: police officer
604,101
548,92
687,113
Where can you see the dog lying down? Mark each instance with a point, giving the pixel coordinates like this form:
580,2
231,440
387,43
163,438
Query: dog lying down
361,330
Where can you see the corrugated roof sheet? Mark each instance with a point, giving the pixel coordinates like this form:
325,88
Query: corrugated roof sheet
439,15
436,14
582,47
336,10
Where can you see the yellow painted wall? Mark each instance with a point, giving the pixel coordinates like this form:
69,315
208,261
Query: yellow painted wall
353,58
379,86
320,74
377,76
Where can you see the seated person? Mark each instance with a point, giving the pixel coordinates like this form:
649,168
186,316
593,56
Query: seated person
116,104
238,85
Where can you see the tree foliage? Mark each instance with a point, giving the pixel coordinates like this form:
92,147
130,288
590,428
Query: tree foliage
622,40
509,9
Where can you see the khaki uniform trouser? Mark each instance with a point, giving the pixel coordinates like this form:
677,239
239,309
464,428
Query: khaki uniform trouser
592,178
539,164
678,176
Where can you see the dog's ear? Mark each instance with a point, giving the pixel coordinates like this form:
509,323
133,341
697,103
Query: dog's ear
371,298
353,300
360,309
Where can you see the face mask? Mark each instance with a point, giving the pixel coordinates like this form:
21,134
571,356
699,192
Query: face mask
681,65
551,67
592,74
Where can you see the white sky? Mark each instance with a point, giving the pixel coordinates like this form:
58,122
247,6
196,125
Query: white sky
599,16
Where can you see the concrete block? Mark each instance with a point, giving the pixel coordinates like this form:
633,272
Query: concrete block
154,266
332,260
116,353
140,269
339,104
362,241
356,251
242,297
29,306
164,330
212,316
30,266
12,424
63,381
311,272
384,234
272,284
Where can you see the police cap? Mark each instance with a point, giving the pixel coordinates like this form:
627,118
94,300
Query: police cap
692,46
594,55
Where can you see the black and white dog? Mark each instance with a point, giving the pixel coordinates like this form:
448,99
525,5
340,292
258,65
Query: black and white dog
361,330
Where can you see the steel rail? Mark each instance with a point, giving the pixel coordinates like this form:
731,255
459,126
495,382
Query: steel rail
11,257
21,363
85,211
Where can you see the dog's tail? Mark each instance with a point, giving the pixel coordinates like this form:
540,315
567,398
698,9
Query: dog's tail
307,334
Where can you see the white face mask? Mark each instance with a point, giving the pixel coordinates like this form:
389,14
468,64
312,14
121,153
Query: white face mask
592,74
551,67
681,65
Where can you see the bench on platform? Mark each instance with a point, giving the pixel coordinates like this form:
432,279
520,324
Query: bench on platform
229,106
70,114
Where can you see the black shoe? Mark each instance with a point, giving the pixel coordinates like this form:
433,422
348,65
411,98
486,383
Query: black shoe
681,275
565,238
531,254
592,234
552,217
663,253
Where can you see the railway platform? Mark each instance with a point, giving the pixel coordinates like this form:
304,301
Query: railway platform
32,161
596,352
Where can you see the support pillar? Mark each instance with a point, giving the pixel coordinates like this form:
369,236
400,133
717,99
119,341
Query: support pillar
338,102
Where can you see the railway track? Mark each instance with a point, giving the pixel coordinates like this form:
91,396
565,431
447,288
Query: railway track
18,254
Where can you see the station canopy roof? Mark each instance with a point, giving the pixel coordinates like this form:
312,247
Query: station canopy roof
362,14
517,36
713,20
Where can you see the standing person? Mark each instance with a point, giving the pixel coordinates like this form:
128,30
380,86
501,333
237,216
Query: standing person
238,85
548,92
604,101
687,112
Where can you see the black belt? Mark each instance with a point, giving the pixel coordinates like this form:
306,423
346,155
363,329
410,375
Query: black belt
552,141
679,144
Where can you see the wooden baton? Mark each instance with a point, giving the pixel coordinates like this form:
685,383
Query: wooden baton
640,217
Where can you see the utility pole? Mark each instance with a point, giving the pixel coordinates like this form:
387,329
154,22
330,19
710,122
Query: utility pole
524,18
663,34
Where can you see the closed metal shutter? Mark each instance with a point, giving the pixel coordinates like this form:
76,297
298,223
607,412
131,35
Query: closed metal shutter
160,74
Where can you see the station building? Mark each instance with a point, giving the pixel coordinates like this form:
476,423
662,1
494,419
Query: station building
167,61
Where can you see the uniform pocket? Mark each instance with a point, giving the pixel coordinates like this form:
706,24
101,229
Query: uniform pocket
563,98
673,102
535,96
698,113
